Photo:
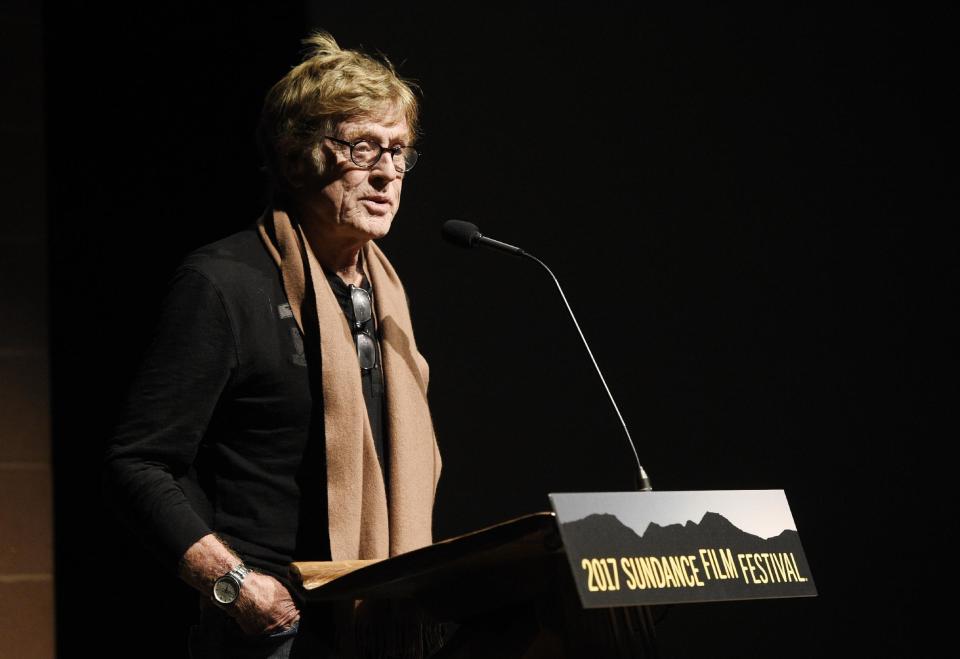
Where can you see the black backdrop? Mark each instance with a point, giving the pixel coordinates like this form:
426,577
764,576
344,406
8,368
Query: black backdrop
720,191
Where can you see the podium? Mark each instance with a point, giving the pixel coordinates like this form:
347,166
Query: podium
581,581
507,589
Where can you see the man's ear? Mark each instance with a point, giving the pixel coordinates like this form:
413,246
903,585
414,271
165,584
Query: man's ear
319,160
300,169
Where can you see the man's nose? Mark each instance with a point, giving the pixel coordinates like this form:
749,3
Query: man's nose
384,168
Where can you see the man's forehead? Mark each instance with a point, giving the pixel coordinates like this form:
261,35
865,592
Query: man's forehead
392,126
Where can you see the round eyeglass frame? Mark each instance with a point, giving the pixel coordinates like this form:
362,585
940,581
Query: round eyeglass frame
400,149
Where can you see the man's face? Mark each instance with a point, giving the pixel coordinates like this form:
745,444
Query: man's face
353,203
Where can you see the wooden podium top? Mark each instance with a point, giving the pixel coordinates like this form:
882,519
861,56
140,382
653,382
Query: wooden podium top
497,561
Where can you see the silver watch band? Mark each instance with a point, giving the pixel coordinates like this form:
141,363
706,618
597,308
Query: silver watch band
226,589
239,572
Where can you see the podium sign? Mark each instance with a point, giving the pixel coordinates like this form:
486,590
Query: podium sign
641,548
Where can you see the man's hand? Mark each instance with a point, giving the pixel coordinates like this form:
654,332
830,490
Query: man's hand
264,606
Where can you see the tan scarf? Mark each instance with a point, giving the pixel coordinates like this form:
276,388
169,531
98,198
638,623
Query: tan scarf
363,521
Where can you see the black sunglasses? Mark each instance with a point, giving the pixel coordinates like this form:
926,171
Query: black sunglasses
362,334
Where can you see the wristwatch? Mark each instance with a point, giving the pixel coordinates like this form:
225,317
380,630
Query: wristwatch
226,589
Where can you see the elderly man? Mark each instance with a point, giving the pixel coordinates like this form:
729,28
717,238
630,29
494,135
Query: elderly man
281,411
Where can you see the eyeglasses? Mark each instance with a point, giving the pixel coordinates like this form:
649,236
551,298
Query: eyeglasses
362,315
367,153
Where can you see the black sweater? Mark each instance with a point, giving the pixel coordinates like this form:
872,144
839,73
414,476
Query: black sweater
218,433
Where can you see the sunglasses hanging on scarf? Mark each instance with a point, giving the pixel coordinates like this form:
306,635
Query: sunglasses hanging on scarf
363,327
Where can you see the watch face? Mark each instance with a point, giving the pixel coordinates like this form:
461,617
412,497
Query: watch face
225,590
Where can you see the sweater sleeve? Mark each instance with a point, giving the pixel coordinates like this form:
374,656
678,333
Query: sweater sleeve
187,369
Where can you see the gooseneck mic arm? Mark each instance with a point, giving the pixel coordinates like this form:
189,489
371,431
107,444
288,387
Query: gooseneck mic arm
466,234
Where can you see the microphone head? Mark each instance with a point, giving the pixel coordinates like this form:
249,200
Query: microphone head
458,232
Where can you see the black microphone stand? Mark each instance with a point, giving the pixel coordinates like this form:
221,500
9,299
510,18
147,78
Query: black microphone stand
466,234
642,481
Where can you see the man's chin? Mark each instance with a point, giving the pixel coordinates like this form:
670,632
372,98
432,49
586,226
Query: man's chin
377,227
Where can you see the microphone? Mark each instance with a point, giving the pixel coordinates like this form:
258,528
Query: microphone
466,234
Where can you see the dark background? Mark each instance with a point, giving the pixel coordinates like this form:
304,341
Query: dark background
729,197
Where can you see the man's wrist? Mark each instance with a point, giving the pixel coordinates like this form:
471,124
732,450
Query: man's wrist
208,559
227,588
